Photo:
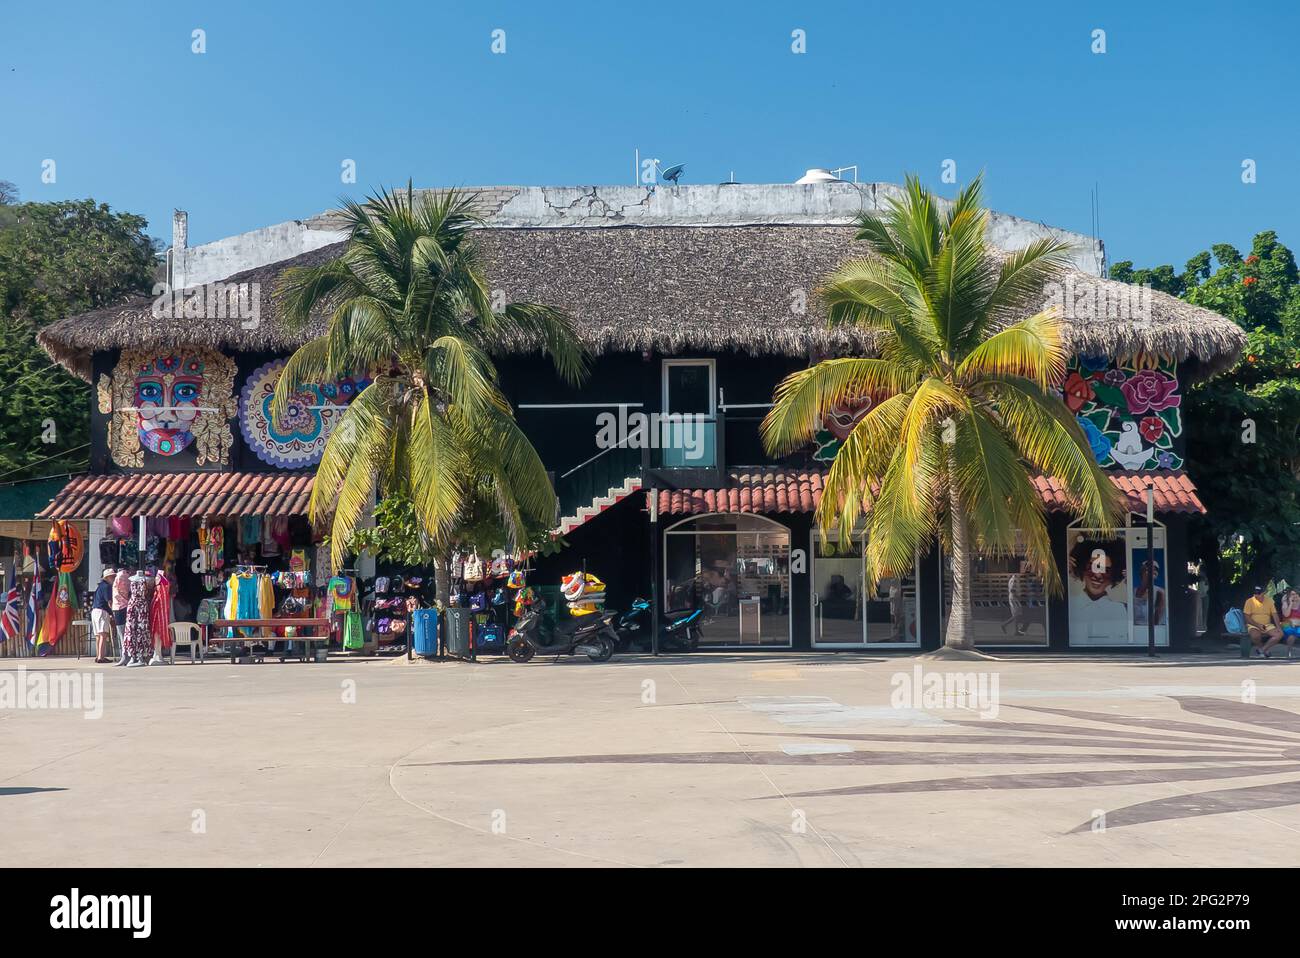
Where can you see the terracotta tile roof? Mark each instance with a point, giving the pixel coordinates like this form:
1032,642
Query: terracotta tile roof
758,490
788,490
182,494
1174,492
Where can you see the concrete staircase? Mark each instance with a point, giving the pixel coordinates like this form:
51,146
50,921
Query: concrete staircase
598,505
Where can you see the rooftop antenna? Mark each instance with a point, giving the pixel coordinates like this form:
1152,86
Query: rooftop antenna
673,173
844,169
1096,226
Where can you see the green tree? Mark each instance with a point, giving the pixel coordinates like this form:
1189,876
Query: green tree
1243,447
57,259
408,300
970,414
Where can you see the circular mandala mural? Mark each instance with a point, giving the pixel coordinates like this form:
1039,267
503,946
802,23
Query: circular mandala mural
298,438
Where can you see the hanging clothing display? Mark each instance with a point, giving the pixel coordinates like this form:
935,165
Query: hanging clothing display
249,596
353,634
341,594
250,531
212,540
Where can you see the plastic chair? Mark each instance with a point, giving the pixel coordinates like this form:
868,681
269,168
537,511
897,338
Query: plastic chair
186,633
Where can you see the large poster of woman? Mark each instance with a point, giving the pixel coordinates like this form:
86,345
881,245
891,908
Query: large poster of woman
1098,590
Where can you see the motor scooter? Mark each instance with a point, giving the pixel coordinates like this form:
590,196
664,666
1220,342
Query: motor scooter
590,635
679,631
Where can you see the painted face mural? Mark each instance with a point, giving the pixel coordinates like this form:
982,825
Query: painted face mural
168,402
298,437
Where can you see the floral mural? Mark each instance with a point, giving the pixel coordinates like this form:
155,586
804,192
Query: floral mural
167,402
297,439
1130,409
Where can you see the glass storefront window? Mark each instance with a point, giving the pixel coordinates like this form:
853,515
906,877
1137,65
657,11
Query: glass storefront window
737,569
1008,602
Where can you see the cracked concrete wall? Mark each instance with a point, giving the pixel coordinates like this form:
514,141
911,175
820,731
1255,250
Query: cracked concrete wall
558,207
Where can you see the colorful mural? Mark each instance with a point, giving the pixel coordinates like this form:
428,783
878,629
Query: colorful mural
167,402
1130,409
298,438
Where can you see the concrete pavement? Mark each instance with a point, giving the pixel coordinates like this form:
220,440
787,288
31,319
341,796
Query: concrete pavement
712,759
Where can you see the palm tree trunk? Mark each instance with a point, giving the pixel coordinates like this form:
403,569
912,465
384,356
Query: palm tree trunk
442,579
959,634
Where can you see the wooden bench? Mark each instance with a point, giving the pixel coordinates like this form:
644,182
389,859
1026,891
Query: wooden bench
264,632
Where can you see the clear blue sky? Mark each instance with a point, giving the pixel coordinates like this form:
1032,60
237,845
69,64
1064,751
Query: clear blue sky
253,131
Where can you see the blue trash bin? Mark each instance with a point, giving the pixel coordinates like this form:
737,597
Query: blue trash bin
424,626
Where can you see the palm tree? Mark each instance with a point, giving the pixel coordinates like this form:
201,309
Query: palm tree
408,302
965,409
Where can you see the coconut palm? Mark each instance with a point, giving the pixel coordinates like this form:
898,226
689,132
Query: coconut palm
408,303
965,410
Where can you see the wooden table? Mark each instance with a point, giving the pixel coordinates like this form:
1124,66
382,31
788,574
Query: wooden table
262,629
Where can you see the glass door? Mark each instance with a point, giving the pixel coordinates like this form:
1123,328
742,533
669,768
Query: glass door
688,431
837,595
847,613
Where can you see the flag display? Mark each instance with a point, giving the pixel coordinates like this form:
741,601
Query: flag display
11,614
33,605
58,615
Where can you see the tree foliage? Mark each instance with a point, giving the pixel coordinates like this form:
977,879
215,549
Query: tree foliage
963,406
57,259
1244,427
408,302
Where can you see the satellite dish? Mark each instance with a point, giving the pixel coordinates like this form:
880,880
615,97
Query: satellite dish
673,173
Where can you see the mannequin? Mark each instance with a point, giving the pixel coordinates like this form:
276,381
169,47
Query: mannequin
160,617
137,640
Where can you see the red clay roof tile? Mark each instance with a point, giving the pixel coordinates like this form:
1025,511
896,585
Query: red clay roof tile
182,494
790,490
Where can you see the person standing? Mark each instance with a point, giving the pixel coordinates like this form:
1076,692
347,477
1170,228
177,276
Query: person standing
1262,624
101,616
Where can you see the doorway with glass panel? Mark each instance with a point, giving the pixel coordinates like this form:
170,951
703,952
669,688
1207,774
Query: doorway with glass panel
689,432
847,613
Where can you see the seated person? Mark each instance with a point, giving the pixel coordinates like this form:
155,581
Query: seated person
837,599
1262,624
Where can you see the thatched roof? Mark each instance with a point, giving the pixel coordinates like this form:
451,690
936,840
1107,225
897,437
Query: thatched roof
671,289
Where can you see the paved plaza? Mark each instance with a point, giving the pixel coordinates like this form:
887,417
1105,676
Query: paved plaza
711,759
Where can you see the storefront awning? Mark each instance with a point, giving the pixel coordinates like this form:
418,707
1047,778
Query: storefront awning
800,490
182,494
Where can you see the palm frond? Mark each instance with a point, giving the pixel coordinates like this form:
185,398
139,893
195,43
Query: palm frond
803,398
1032,349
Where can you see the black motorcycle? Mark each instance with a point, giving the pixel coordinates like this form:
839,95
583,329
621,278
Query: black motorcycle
590,635
678,631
